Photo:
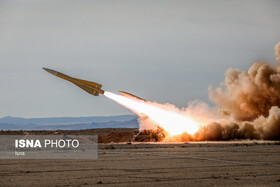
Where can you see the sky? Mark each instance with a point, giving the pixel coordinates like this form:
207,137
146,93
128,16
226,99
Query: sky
163,51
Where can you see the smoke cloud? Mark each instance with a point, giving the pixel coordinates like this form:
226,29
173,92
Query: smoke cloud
247,95
277,51
248,106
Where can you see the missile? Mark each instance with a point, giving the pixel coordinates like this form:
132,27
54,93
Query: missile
88,86
131,96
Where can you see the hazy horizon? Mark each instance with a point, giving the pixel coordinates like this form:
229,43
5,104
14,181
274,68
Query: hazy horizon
67,116
164,51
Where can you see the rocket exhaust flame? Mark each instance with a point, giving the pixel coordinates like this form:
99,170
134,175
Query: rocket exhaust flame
172,122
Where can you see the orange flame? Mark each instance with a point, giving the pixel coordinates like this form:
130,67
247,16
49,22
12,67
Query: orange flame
171,121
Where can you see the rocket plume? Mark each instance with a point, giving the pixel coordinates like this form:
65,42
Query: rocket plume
248,107
174,123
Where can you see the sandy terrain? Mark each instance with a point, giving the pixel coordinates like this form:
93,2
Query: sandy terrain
246,163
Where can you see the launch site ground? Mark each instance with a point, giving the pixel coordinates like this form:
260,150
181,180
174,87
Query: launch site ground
212,163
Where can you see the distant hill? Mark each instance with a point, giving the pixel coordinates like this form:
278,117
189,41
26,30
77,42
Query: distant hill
68,123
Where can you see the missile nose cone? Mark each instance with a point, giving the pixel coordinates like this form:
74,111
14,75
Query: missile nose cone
50,71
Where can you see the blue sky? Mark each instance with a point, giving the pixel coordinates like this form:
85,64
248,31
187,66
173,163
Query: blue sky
164,51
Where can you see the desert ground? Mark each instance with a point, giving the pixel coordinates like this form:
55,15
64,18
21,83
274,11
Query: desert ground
227,163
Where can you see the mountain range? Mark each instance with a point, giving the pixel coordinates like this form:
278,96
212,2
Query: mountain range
68,123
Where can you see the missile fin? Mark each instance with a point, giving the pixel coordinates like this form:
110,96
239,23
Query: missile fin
94,84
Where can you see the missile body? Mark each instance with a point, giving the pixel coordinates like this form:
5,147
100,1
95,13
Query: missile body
88,86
